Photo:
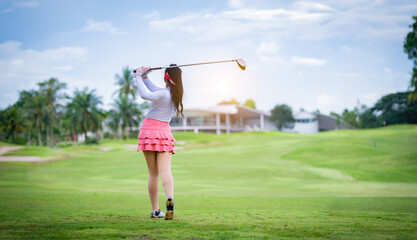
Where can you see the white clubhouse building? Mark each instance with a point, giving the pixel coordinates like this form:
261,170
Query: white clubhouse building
239,118
222,119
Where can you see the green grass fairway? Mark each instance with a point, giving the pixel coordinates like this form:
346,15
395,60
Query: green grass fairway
255,185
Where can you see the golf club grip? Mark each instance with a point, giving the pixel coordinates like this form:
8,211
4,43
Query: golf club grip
157,68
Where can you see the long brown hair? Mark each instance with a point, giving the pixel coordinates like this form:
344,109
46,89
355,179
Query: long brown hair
177,90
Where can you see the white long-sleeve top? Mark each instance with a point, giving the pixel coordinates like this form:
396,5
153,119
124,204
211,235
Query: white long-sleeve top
161,107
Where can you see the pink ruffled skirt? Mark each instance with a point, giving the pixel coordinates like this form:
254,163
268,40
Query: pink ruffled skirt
155,135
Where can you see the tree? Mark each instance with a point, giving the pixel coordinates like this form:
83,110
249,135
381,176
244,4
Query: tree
67,128
128,111
113,121
282,116
33,104
250,103
232,101
396,108
351,117
338,118
413,85
84,113
12,121
369,120
51,89
410,47
126,84
25,97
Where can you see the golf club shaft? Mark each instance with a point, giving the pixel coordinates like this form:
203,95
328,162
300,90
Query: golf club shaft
193,64
186,65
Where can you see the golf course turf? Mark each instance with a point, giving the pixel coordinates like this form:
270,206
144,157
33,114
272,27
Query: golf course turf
347,184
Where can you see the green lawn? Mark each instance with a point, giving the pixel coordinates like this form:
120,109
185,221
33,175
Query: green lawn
255,185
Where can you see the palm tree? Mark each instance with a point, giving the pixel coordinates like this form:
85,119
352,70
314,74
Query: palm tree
83,111
24,99
126,84
129,112
12,121
113,121
33,104
51,89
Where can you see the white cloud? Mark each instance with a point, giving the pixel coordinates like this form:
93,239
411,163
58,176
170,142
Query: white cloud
369,99
235,23
9,47
387,70
104,26
35,62
151,15
346,49
308,6
168,43
272,14
267,47
326,99
17,62
63,68
7,10
236,3
301,20
27,4
309,61
349,75
180,23
326,103
22,68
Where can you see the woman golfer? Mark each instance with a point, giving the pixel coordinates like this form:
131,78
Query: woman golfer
155,137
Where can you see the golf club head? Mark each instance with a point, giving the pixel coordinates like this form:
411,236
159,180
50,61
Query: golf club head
241,63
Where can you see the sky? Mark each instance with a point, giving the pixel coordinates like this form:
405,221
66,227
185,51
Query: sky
316,55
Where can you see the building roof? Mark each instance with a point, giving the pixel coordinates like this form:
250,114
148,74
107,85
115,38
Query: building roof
303,115
229,109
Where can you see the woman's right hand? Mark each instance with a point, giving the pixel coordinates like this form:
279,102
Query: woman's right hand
143,72
140,71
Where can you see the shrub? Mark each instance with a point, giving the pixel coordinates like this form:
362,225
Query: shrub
66,144
92,141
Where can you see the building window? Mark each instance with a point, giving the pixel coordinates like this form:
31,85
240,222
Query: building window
201,121
305,120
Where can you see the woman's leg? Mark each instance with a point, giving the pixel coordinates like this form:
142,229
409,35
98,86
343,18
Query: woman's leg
164,167
153,178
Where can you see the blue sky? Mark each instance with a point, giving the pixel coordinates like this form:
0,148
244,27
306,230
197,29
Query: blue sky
326,55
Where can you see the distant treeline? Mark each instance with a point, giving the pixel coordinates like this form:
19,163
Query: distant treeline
47,116
395,108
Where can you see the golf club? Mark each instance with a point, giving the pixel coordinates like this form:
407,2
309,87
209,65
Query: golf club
240,62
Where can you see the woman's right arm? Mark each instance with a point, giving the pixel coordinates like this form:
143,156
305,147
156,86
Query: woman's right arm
144,93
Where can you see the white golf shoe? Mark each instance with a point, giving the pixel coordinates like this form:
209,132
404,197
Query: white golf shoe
157,214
